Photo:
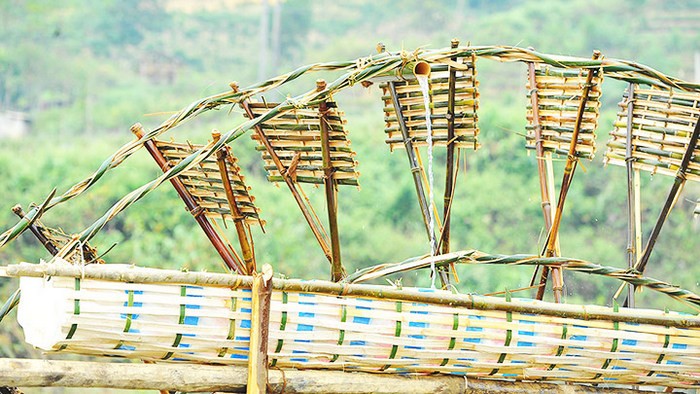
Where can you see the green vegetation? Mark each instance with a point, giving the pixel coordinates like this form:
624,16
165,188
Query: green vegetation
84,74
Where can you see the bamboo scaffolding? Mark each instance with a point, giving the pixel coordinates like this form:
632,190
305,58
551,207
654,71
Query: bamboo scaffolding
209,378
238,218
313,225
110,272
337,270
356,71
192,207
550,248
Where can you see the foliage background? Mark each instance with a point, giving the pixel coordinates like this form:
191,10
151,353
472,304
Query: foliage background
85,71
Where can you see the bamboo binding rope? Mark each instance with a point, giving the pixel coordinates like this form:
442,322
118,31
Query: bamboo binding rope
205,318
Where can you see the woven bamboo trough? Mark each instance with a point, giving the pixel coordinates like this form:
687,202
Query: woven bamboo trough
211,324
243,317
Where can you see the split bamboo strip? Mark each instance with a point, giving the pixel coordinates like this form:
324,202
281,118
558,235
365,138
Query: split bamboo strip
208,378
356,71
469,335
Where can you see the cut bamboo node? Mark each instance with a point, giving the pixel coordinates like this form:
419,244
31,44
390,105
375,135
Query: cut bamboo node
381,48
234,86
320,85
137,130
421,69
17,210
454,43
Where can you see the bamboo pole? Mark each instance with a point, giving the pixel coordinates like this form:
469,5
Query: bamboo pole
191,204
115,273
632,198
330,186
208,378
673,194
542,174
287,180
416,172
259,331
569,170
238,218
450,174
50,247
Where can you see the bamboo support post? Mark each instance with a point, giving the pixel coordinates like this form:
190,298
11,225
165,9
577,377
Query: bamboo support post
673,194
450,165
569,170
286,176
259,331
209,378
191,204
416,172
238,218
542,174
632,198
50,247
330,185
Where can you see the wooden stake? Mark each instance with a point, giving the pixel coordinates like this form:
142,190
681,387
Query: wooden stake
569,170
314,225
259,330
191,205
337,270
238,218
415,171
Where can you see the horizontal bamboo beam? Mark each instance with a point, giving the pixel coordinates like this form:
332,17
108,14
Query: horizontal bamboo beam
203,378
471,301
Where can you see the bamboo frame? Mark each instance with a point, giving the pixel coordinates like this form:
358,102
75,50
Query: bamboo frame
286,177
569,170
191,205
329,183
50,247
242,228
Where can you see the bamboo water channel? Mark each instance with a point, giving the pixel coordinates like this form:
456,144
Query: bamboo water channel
430,100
